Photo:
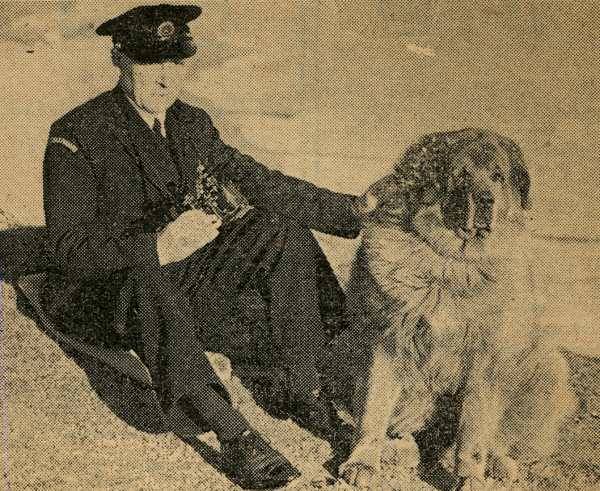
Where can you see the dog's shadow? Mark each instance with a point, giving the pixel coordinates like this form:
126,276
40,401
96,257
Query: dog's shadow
435,439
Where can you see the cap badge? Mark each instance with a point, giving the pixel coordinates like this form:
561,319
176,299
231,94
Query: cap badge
165,30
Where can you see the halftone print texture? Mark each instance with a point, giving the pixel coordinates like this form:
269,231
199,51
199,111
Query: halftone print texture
409,299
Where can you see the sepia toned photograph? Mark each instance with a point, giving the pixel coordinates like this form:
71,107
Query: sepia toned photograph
300,245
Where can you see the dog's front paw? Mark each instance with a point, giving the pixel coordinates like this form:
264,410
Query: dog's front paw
362,468
360,475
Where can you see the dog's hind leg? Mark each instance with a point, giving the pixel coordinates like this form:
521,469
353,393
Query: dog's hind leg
537,406
375,397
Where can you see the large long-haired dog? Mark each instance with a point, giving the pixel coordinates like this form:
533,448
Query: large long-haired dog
445,283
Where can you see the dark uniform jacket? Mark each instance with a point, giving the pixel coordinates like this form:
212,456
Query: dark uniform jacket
96,183
103,165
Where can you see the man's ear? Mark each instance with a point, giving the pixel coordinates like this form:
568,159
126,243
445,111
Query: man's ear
115,57
119,59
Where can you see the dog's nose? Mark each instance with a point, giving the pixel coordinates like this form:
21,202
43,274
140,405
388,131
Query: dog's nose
484,198
484,207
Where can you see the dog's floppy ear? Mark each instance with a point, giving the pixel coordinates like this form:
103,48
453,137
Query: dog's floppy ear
519,175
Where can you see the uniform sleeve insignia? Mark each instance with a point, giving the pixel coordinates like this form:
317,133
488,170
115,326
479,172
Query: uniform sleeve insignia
66,143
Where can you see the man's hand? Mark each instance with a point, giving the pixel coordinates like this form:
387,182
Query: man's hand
384,196
192,230
365,204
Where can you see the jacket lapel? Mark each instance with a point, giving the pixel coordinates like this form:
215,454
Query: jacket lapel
180,138
137,140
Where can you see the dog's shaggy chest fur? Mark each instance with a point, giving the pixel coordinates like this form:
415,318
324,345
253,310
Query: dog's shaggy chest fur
445,315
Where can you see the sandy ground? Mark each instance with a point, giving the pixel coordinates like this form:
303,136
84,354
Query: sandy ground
331,92
74,424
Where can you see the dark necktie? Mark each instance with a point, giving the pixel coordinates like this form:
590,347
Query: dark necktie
157,128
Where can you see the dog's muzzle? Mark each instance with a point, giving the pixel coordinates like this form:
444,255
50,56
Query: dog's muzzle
469,214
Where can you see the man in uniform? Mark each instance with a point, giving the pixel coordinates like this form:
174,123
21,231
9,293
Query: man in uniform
140,265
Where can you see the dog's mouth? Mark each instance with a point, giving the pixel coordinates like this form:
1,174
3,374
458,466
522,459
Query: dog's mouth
469,215
469,224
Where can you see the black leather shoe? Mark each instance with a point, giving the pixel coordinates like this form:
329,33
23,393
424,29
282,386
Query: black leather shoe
253,464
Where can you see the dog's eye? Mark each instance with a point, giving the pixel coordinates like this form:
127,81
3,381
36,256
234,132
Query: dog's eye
497,176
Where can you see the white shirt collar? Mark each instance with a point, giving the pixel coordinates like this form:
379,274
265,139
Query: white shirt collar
149,117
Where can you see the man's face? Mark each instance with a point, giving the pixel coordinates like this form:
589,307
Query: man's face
153,87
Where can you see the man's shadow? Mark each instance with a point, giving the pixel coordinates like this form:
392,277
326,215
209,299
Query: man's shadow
131,401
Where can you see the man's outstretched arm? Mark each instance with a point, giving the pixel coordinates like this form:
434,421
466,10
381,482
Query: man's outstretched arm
310,205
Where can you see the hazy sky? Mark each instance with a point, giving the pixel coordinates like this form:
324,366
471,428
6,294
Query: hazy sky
311,87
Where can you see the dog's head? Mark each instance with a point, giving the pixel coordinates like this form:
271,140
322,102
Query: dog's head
477,177
481,179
